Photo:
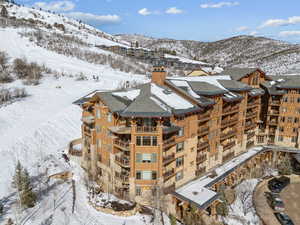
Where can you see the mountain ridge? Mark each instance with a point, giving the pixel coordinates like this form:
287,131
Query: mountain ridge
273,56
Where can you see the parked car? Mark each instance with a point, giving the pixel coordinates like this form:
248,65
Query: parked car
278,184
275,202
283,218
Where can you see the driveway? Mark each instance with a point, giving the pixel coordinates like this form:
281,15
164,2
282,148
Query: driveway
262,208
291,197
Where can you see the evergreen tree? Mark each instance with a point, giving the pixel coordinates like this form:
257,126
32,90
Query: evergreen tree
1,208
28,197
285,167
3,12
17,179
9,222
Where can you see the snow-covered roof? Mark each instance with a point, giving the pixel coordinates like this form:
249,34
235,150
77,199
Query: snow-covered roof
199,192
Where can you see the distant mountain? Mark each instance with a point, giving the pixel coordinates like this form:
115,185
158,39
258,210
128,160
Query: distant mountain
273,56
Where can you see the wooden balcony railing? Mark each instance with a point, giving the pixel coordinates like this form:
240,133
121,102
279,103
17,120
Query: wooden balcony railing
168,159
88,119
228,146
169,142
146,129
249,144
274,112
122,144
123,161
229,121
250,126
274,102
228,134
201,159
229,156
203,130
200,171
167,175
203,117
202,145
233,109
250,135
170,189
272,131
251,114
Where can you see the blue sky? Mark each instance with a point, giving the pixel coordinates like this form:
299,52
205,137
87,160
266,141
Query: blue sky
203,20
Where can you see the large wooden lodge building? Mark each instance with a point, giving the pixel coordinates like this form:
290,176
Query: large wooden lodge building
185,134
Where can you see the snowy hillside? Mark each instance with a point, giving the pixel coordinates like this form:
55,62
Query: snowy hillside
37,129
275,57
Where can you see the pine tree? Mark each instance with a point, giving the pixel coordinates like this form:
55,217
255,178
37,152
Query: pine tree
9,222
28,197
3,12
285,167
17,179
1,208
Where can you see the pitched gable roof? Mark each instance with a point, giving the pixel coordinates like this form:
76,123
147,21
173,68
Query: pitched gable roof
238,73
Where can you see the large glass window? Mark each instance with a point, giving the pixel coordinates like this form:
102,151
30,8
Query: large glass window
180,147
146,157
98,113
146,175
146,140
179,161
179,175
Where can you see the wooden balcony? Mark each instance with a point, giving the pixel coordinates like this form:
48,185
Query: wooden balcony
123,178
228,157
229,122
274,112
229,134
251,115
201,159
203,117
87,131
202,145
123,161
252,104
203,131
250,135
88,119
169,143
168,159
250,126
146,129
249,144
230,110
200,171
122,129
275,102
122,144
273,122
167,175
169,189
272,131
228,146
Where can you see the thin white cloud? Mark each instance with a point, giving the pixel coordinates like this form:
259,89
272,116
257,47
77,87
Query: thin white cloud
242,28
280,22
291,33
219,5
144,12
174,10
57,6
97,19
253,33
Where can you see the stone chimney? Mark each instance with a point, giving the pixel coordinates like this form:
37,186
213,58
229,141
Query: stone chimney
159,75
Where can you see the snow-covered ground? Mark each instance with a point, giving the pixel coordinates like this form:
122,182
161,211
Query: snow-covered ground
36,129
242,211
